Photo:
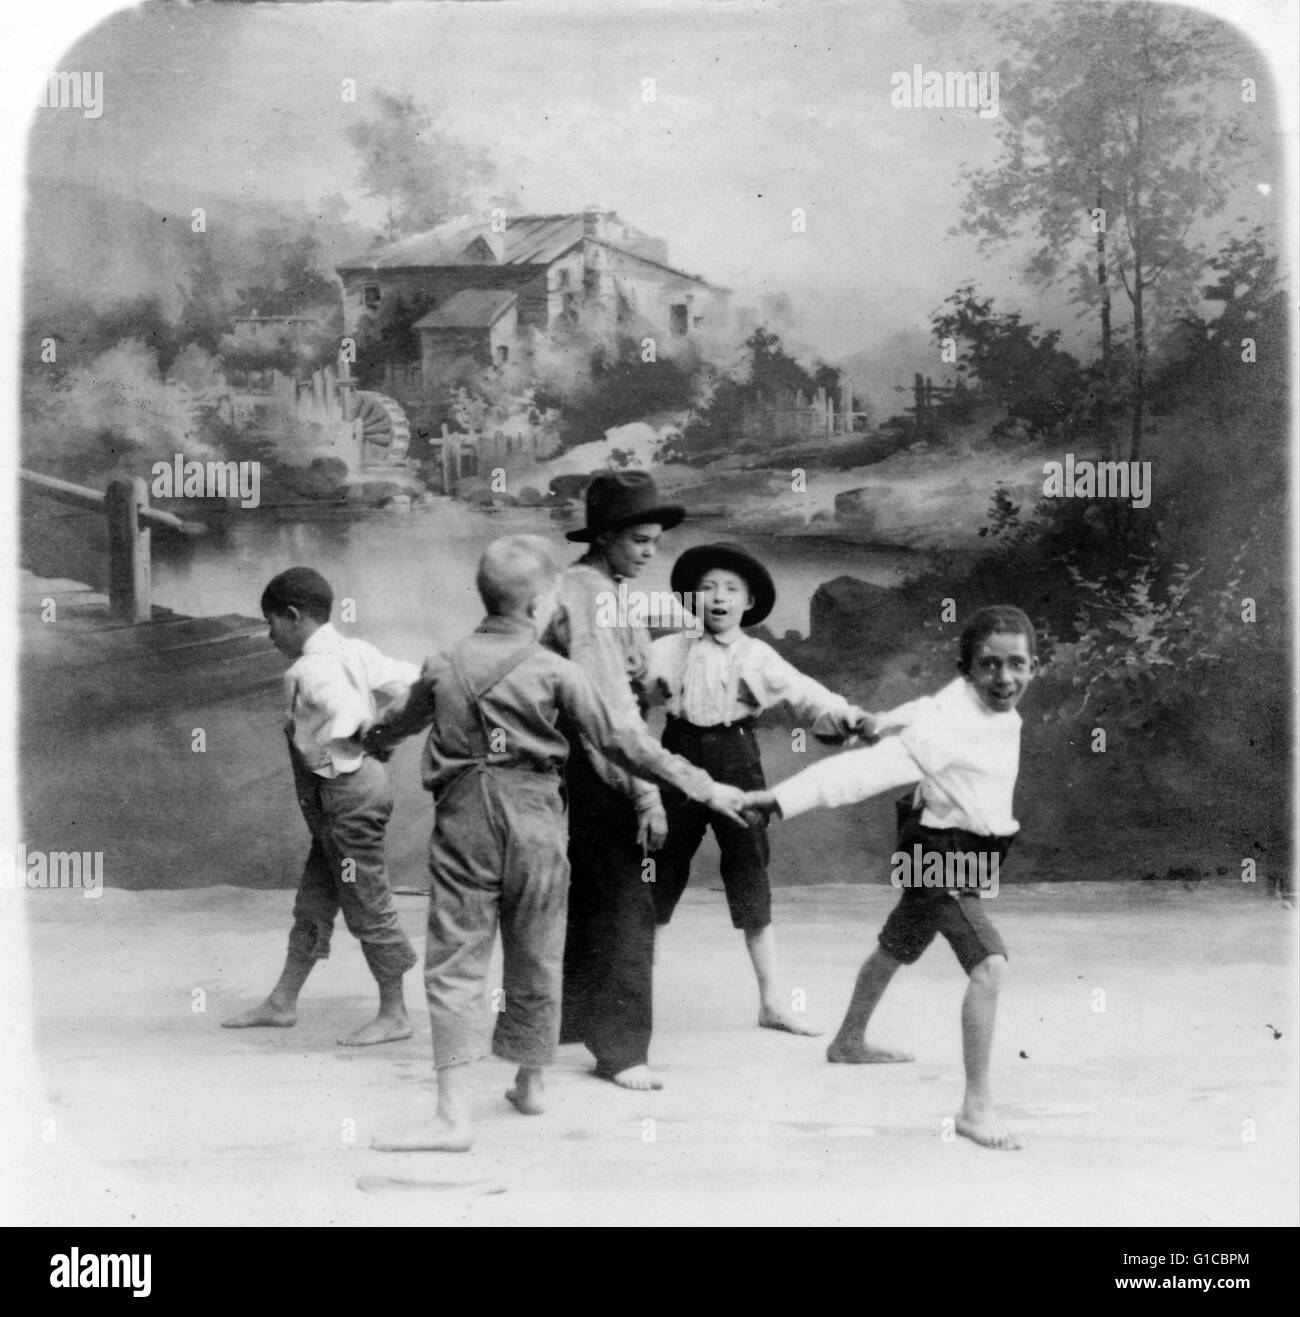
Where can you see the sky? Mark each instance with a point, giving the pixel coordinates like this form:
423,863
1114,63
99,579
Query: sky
757,109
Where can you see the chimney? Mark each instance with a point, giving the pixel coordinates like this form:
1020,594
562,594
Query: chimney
591,221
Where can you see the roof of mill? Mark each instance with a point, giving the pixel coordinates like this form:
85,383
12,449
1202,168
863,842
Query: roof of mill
472,308
527,240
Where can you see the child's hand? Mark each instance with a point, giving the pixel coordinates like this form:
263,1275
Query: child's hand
376,742
856,727
760,806
651,827
727,801
862,726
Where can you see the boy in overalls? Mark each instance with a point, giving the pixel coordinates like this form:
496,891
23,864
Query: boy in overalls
493,761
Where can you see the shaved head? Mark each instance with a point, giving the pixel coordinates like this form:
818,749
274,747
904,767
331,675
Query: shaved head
514,571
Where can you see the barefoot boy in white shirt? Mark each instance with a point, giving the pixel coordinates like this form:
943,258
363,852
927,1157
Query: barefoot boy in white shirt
335,688
963,746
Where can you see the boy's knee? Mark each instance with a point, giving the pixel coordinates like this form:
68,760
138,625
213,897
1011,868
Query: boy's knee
989,973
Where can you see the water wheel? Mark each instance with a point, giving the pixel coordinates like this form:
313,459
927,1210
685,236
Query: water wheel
385,431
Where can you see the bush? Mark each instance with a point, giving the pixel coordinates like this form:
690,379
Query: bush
1145,648
1037,383
625,388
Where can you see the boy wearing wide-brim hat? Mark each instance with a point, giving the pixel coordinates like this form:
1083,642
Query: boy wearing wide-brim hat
619,499
716,681
614,818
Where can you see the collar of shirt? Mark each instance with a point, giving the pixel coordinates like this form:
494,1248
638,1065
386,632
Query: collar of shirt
497,625
727,639
324,640
594,563
972,698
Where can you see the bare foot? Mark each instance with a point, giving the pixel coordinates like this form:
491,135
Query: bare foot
528,1095
639,1077
437,1135
268,1015
988,1131
858,1053
382,1029
772,1018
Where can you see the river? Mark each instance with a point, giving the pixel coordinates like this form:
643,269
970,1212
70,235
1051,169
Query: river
411,574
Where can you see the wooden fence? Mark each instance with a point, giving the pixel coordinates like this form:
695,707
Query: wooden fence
462,454
130,519
796,417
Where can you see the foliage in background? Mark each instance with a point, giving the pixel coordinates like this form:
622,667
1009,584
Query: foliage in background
1148,643
1013,364
623,387
768,373
1116,142
421,175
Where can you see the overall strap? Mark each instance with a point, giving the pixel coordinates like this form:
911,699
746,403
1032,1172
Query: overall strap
473,691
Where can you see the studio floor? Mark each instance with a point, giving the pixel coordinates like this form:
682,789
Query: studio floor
1145,1052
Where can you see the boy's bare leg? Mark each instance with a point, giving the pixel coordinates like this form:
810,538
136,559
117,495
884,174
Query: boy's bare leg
977,1119
849,1046
391,1025
280,1009
529,1093
450,1130
772,1014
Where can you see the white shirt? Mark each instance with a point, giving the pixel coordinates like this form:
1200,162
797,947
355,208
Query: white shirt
965,755
708,679
337,686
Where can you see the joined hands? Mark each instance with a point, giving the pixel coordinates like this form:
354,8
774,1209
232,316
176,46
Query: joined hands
729,802
759,806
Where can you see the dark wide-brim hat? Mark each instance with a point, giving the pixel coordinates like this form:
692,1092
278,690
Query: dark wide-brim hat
619,499
690,568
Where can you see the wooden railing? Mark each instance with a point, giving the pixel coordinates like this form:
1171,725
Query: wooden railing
130,519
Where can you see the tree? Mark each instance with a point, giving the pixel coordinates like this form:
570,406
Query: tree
624,387
1112,150
1024,371
1235,362
422,175
773,375
773,372
389,337
285,278
205,311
